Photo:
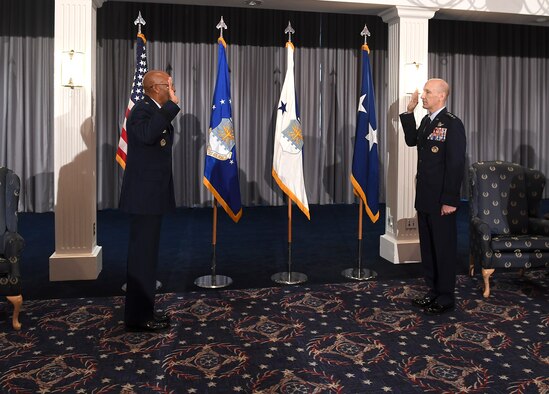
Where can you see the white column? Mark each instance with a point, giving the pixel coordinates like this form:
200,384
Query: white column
77,255
408,43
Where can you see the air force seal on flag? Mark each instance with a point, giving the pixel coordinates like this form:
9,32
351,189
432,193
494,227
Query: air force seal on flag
221,141
293,137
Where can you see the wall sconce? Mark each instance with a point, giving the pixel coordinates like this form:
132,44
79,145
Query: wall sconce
412,77
72,69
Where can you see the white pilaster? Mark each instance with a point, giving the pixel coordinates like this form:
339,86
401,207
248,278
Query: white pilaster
408,43
77,255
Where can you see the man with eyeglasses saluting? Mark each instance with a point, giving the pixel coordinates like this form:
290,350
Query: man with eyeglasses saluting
148,193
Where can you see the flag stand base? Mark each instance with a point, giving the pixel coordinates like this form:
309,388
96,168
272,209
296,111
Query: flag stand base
289,278
213,281
359,274
158,285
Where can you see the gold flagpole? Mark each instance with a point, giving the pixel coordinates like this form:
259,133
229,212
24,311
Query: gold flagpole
289,278
360,220
360,213
289,238
214,237
214,281
359,273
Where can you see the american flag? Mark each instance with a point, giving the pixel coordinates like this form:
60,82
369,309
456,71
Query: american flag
136,95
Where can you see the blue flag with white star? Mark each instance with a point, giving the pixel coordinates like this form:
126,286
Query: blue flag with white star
221,168
365,171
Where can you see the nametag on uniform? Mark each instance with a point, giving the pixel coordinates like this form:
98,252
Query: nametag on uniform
438,134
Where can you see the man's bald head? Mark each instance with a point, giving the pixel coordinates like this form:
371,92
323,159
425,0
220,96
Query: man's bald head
435,93
156,85
154,77
441,86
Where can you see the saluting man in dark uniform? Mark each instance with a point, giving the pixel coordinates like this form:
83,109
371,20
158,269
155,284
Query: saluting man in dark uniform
147,193
440,141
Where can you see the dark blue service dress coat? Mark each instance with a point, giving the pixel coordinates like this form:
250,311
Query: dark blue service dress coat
147,186
441,159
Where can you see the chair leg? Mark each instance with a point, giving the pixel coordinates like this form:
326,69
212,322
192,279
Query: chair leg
17,301
471,266
486,276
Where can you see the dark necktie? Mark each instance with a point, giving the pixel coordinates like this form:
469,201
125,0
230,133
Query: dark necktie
426,121
422,128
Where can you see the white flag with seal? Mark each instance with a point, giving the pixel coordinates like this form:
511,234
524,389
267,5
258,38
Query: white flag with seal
288,143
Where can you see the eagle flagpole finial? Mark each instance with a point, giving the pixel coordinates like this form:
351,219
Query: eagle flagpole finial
289,30
366,33
221,25
139,22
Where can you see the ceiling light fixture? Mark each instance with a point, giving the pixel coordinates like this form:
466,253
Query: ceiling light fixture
253,3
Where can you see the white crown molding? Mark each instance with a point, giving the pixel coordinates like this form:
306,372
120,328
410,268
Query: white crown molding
398,12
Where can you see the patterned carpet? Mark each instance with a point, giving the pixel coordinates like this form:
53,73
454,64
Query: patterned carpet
341,338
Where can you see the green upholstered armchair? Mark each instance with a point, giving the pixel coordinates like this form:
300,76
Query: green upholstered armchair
11,243
506,230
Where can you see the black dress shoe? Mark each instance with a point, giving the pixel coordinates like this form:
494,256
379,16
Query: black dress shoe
149,326
424,301
436,309
161,317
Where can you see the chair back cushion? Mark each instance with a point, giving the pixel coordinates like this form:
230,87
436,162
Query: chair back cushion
498,196
3,173
9,200
4,266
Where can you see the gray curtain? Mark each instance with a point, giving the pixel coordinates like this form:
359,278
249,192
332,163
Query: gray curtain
499,89
327,69
26,99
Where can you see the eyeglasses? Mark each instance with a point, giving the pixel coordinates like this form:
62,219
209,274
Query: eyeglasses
162,84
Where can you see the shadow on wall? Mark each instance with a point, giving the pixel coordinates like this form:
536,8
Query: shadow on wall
525,155
107,195
269,146
250,191
334,182
336,177
188,160
76,183
391,137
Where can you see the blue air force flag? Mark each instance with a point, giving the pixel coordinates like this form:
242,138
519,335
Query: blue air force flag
365,172
288,143
221,168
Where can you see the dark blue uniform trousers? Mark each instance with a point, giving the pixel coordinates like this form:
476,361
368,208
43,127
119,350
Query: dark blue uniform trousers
142,262
438,245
